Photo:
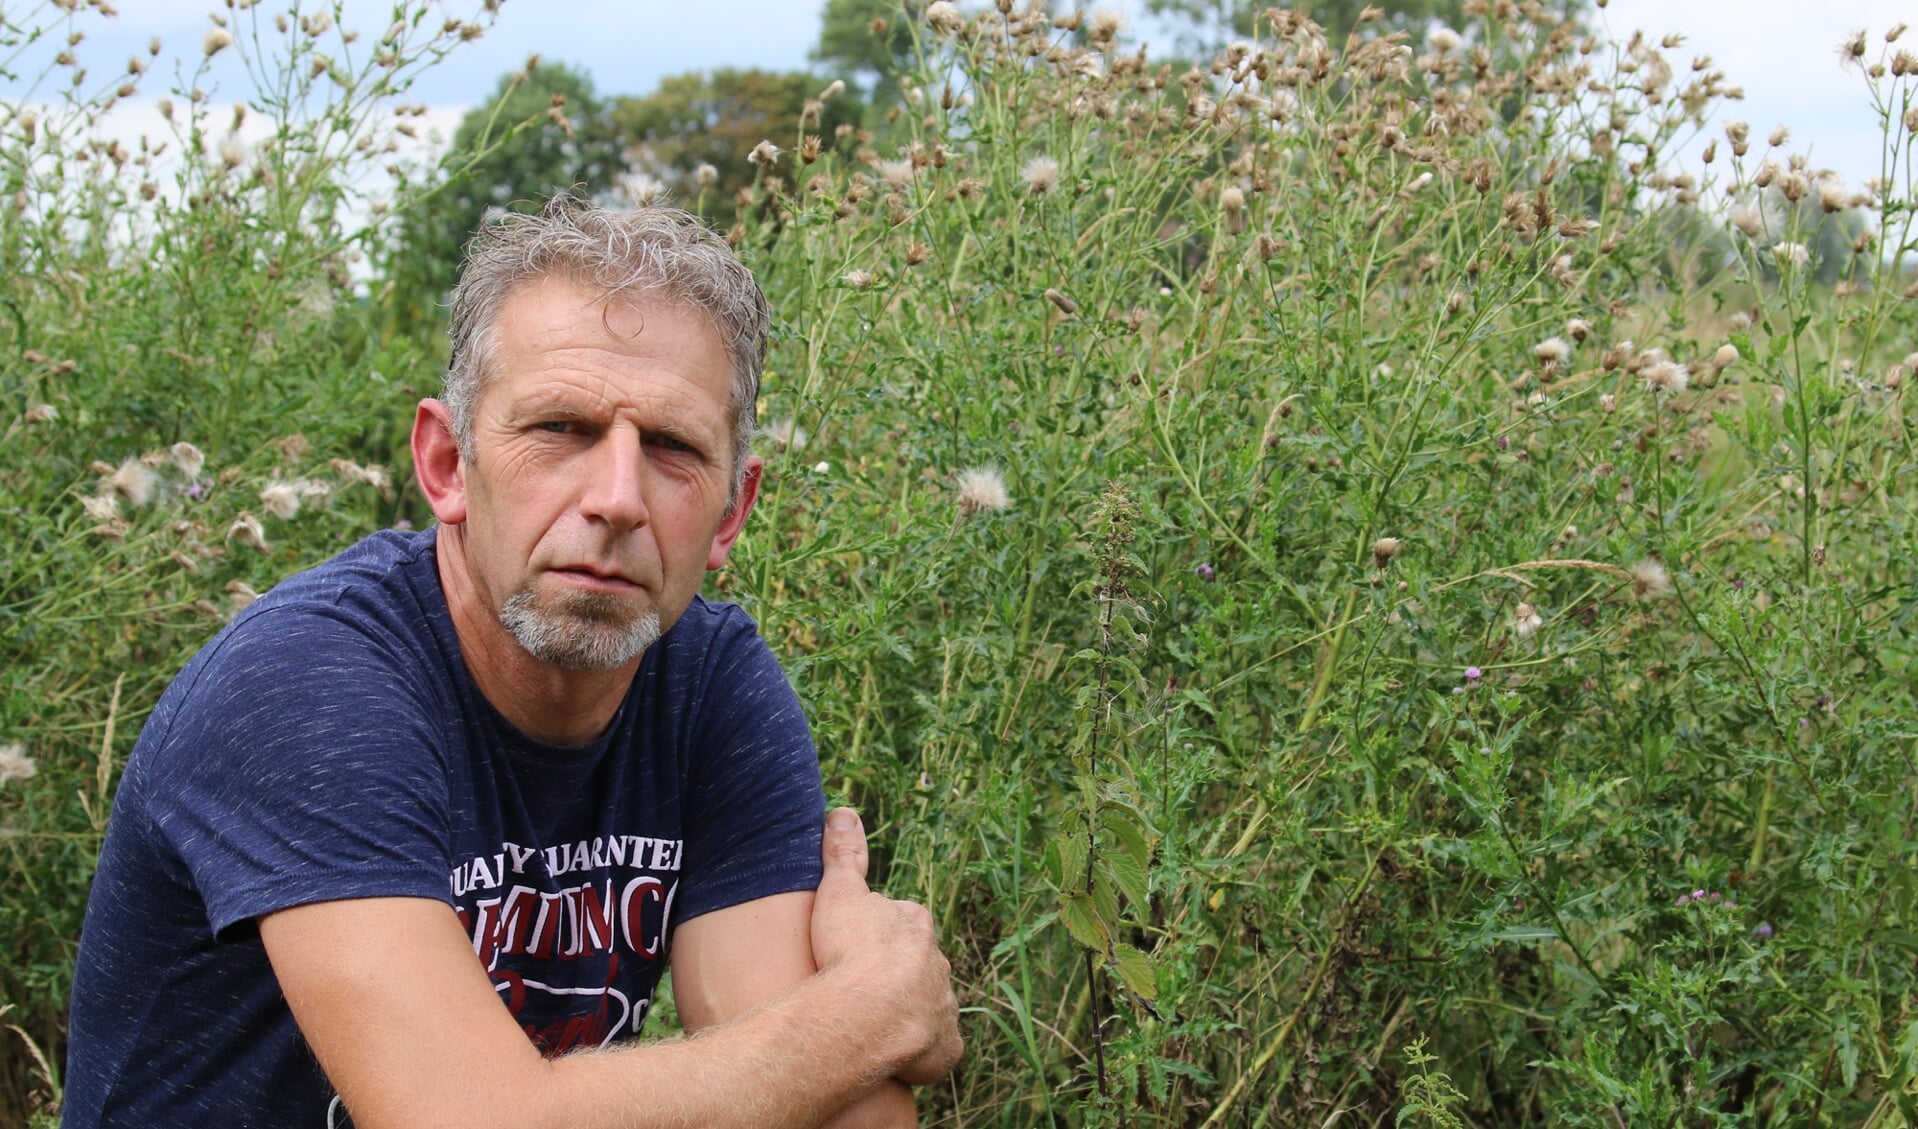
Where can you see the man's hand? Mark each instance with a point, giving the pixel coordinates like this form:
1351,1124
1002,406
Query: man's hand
890,945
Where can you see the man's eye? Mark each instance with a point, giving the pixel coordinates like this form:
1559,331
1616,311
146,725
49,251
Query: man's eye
558,426
670,443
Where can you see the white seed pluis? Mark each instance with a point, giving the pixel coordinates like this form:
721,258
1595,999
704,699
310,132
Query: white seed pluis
980,489
1041,175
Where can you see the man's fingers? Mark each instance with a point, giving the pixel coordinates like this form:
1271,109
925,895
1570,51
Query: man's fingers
844,854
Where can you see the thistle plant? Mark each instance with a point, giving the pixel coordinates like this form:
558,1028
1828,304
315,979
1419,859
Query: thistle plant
197,399
1488,614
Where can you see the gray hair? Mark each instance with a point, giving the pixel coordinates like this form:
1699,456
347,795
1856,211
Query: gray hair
650,252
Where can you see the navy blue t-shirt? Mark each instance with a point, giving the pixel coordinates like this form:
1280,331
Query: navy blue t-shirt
329,744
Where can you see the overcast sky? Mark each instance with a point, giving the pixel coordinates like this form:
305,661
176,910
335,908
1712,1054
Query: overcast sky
1783,52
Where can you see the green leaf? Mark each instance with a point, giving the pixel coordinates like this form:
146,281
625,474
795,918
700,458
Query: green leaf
1121,870
1135,968
1082,921
1072,862
1105,895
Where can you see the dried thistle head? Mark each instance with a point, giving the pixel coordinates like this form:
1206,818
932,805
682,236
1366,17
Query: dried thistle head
1041,175
981,489
1650,581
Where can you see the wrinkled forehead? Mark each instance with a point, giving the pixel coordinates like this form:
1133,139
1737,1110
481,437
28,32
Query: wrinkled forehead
622,310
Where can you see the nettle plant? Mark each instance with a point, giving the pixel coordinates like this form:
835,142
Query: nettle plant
195,401
1505,679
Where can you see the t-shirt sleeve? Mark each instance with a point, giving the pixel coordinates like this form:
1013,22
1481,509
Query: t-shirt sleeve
303,767
756,809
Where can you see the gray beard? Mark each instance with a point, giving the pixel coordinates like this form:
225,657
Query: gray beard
579,631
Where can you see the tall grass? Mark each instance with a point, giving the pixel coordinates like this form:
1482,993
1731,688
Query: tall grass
1336,631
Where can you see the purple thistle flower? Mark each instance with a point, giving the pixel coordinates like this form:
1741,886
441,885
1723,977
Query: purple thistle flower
1473,674
1762,931
196,489
1683,901
1204,570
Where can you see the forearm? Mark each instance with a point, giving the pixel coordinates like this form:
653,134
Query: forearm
889,1106
814,1051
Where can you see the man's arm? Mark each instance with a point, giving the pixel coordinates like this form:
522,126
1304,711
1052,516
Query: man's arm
727,962
411,1033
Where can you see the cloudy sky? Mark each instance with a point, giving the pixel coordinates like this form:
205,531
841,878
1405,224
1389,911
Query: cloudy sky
1783,52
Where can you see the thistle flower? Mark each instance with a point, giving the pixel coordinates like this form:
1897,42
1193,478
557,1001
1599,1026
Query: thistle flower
859,279
42,413
246,529
1726,356
787,434
1384,549
241,593
101,507
133,481
1204,571
217,40
1553,351
188,458
1041,175
897,173
1797,254
1852,49
1526,621
1578,329
1832,197
1665,377
821,467
1444,40
705,176
1232,203
1105,25
15,764
981,488
1779,135
945,17
1650,581
232,151
1739,134
281,499
1473,674
1748,218
764,154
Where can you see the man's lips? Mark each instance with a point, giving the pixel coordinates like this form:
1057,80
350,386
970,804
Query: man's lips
598,579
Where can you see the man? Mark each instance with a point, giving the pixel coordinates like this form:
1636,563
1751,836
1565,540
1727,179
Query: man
519,735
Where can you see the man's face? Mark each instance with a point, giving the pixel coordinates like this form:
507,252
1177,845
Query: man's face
599,471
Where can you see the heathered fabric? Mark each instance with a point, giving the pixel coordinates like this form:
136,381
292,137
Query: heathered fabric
330,744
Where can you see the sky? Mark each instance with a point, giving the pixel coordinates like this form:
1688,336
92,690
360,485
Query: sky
1783,52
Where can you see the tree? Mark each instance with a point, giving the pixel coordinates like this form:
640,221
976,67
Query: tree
716,119
1211,23
543,131
871,40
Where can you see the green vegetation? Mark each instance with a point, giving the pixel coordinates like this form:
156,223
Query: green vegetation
1352,595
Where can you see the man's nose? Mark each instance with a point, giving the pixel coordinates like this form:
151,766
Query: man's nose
614,491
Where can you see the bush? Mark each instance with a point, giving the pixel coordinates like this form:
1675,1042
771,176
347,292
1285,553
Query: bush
1404,624
196,404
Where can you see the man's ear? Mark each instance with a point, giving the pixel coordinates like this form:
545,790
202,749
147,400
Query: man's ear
734,522
436,462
